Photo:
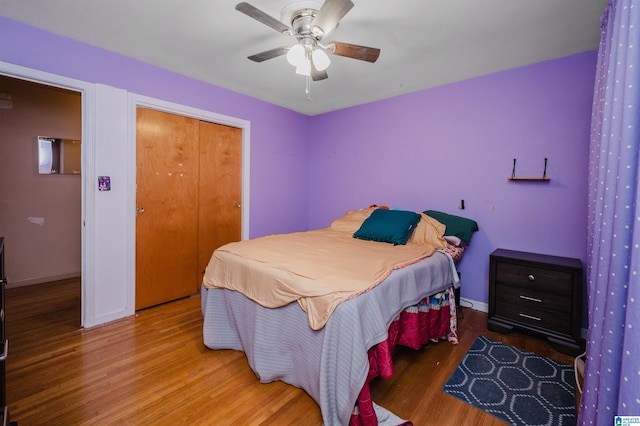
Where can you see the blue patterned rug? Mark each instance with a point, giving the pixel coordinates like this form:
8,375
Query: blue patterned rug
513,385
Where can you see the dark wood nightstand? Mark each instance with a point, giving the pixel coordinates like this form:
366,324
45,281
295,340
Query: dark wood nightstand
536,293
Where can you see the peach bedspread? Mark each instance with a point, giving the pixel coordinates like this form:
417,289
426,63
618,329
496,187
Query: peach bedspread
318,269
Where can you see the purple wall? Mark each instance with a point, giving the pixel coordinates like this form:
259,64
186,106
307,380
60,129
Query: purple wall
279,158
433,148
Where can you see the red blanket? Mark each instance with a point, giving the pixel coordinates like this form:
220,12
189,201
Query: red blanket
434,318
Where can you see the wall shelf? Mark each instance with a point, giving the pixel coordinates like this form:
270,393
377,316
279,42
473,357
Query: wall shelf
531,178
543,178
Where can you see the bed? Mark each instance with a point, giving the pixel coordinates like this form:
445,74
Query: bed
332,343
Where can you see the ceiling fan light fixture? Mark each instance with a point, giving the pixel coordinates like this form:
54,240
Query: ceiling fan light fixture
304,68
320,59
311,21
296,55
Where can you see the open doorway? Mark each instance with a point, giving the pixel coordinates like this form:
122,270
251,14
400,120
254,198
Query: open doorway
41,214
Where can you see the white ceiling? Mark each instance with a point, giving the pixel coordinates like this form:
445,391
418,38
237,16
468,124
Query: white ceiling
424,43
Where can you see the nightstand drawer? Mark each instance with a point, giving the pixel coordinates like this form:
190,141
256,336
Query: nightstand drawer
533,299
540,279
537,318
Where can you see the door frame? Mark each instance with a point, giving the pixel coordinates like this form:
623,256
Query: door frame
87,95
140,101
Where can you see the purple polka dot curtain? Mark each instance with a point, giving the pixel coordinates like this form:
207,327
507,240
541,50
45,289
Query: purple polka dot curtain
612,371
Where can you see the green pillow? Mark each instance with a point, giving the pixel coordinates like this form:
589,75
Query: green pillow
460,227
388,226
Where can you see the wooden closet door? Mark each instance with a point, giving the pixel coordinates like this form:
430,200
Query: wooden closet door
167,200
220,189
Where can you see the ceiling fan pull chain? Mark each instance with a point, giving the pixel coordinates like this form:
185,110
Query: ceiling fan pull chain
308,88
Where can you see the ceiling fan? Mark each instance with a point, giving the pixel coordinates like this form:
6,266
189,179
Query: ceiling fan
309,24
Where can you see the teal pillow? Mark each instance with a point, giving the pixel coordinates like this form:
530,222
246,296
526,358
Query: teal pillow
388,226
460,227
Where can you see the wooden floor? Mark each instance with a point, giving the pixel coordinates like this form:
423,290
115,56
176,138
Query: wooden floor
153,369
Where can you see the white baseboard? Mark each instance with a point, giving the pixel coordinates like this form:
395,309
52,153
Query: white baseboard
474,304
33,281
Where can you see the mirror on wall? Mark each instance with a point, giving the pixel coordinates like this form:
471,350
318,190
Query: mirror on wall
57,156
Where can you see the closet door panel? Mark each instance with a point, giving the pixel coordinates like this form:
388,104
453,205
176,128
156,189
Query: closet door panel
220,189
167,201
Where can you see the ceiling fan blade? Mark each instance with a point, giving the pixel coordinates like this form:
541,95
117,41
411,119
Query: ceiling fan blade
363,53
260,16
269,54
318,75
330,13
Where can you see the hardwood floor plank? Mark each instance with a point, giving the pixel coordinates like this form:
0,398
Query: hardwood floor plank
153,369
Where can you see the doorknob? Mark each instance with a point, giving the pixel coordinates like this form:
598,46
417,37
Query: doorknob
140,209
238,205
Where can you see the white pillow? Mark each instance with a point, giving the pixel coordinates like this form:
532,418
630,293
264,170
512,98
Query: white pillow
453,240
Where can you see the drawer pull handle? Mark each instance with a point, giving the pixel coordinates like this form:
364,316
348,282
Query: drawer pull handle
530,317
532,299
531,278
